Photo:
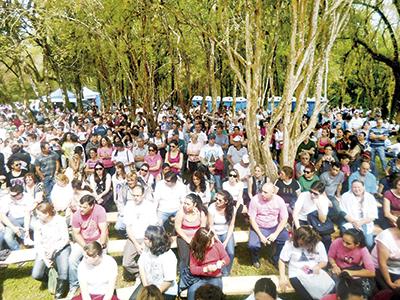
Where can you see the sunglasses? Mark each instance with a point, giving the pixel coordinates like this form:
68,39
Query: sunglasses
17,165
308,172
233,175
152,150
219,199
314,193
173,146
144,170
15,195
97,169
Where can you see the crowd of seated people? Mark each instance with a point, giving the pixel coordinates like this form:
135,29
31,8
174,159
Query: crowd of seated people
193,177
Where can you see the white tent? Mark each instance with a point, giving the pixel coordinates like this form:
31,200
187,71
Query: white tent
57,96
89,94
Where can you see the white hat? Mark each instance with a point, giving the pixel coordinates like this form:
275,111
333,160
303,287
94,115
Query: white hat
245,159
237,138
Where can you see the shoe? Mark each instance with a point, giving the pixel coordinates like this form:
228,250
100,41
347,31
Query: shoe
61,288
71,293
256,265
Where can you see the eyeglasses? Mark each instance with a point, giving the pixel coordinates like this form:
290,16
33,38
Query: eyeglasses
97,169
233,175
144,170
314,193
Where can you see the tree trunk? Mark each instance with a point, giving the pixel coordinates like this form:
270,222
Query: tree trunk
395,107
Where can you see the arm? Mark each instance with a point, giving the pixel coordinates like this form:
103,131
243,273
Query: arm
383,256
257,230
110,288
322,216
361,273
6,221
339,190
178,227
386,211
157,166
39,173
84,289
230,229
272,237
137,245
57,166
283,279
335,269
103,233
78,236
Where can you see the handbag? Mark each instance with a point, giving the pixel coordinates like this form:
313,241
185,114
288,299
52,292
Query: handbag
317,285
322,228
186,279
52,280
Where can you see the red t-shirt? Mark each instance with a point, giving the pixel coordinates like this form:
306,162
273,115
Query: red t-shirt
394,201
346,258
89,224
213,254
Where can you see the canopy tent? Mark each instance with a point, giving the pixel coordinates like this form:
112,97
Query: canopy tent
241,103
88,96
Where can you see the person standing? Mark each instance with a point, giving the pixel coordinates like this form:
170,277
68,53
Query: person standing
377,137
47,165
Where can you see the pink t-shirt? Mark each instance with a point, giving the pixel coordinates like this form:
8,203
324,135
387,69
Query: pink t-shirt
346,258
329,297
152,161
89,224
105,153
394,201
267,214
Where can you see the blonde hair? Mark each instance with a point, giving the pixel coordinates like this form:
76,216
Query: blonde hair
62,178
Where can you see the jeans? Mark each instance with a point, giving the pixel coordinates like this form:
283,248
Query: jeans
230,249
163,216
73,261
2,231
48,184
9,235
120,226
381,153
61,262
369,237
255,243
217,281
217,182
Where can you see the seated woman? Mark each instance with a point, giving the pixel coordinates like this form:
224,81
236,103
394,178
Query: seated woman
157,264
199,186
235,187
97,274
221,218
386,257
51,246
191,216
207,258
391,205
350,255
309,202
100,182
33,188
347,288
306,256
62,195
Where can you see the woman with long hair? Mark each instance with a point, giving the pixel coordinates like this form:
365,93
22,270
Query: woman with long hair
104,153
221,219
68,144
157,264
256,181
174,157
101,183
207,258
235,187
159,140
306,256
119,187
33,188
91,162
191,216
62,195
349,254
199,186
193,151
52,246
146,178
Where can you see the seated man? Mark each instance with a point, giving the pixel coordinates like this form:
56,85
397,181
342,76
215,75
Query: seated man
89,224
268,218
366,177
139,213
15,212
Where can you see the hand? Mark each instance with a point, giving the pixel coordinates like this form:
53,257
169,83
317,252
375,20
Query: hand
284,283
225,243
220,264
264,240
212,268
316,269
18,232
48,262
336,270
356,225
272,237
99,199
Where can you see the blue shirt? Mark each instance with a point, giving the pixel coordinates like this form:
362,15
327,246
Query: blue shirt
369,181
377,131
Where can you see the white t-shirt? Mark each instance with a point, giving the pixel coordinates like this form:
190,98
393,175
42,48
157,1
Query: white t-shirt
16,208
139,217
220,224
236,190
167,198
393,246
307,205
159,269
300,258
98,277
244,172
61,197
